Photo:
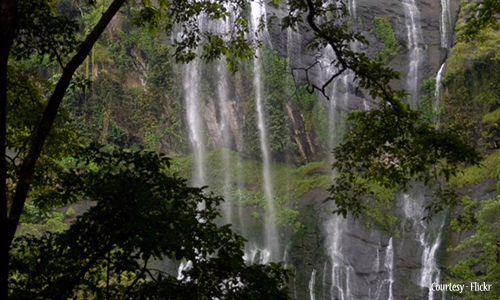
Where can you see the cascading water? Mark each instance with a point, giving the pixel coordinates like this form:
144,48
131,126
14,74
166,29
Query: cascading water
415,44
351,8
258,11
341,269
191,85
437,103
384,285
223,27
222,94
257,256
339,279
376,269
446,24
389,265
312,295
430,273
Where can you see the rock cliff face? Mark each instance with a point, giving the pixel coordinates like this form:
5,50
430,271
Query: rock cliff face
352,259
429,20
335,258
349,259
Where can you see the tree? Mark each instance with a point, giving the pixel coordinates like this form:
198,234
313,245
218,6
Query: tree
482,249
480,15
142,213
31,26
391,146
24,23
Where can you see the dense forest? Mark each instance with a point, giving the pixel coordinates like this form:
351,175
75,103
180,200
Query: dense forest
249,150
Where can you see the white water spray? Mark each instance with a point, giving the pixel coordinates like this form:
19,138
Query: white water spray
341,269
191,84
415,44
437,103
430,272
258,11
225,130
312,281
389,265
446,25
389,269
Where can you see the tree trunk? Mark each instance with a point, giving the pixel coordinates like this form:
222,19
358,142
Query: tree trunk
8,17
10,218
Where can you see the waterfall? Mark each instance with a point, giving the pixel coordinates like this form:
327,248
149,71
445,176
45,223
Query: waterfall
389,269
437,103
223,27
415,43
351,8
255,255
222,94
430,273
389,265
191,85
323,281
345,282
376,269
312,296
345,81
285,258
377,260
331,123
445,24
341,269
258,11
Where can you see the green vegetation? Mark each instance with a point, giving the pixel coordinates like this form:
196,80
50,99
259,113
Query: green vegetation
466,220
492,117
471,90
288,182
481,262
35,223
394,157
132,103
490,168
427,101
385,34
69,213
109,249
105,253
379,214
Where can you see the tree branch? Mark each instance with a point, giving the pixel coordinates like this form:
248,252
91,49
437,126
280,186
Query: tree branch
40,135
311,16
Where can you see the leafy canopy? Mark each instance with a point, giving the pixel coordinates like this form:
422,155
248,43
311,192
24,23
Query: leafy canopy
142,214
390,146
481,249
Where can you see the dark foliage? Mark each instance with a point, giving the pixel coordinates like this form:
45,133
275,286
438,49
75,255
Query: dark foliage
141,214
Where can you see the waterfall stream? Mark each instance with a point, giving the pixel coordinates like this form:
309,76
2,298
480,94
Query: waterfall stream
389,265
340,278
258,11
194,118
384,284
430,273
340,268
312,295
446,24
415,44
222,94
437,103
